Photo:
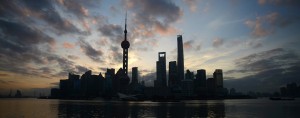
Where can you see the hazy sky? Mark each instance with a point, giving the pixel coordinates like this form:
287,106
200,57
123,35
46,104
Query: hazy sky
255,42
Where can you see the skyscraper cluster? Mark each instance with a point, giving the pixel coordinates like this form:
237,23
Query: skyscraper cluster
91,86
178,84
185,84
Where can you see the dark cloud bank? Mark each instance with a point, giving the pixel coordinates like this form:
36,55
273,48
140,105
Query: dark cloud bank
270,70
22,44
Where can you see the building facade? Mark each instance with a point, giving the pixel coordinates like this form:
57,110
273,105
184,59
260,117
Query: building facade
180,58
218,75
173,79
161,72
135,75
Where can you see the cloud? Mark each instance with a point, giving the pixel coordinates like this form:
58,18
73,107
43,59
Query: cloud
262,1
190,45
258,30
20,54
22,34
115,54
102,69
19,42
26,45
31,12
46,70
79,11
217,42
266,70
80,69
114,9
7,82
280,2
276,19
89,51
154,15
266,25
66,66
55,84
113,32
192,4
271,59
257,45
68,45
44,10
163,30
3,74
3,82
149,18
75,7
73,57
265,81
79,8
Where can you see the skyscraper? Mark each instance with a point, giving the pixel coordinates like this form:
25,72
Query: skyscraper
189,75
218,76
180,58
201,78
108,82
161,72
200,83
172,74
211,86
125,45
134,75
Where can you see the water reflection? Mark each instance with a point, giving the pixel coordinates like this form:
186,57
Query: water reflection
140,109
247,108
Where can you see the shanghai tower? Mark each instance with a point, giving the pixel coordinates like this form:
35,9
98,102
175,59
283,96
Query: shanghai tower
180,59
125,45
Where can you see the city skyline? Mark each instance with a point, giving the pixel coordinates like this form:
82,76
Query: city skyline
42,41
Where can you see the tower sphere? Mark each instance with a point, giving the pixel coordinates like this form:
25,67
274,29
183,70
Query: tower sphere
125,44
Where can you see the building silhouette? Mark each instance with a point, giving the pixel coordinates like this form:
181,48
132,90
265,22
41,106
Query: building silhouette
161,72
124,81
290,90
18,94
134,78
180,58
125,45
189,75
136,87
211,87
173,79
187,84
218,75
187,87
200,83
201,77
110,82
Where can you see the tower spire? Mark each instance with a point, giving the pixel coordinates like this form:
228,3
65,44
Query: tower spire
125,31
125,20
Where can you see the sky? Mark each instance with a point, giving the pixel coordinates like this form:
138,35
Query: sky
255,42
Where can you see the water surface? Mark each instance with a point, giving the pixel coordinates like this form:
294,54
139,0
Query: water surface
247,108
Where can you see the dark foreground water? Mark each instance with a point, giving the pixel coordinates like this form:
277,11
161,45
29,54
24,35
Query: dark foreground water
43,108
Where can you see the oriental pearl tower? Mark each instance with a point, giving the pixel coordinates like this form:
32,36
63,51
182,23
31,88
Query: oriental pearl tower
125,45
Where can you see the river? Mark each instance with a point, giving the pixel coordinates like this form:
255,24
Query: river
245,108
